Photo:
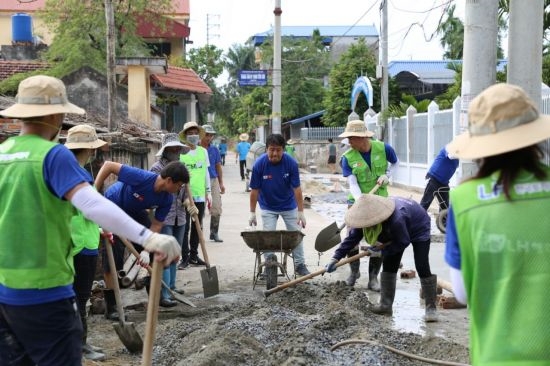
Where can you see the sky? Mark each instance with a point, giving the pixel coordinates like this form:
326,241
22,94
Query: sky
228,22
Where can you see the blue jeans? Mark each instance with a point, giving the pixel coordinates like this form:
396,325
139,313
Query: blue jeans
169,273
290,218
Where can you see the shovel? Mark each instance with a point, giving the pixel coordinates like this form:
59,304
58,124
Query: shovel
152,314
209,275
314,274
174,294
126,331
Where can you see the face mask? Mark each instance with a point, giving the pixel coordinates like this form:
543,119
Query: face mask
193,139
171,156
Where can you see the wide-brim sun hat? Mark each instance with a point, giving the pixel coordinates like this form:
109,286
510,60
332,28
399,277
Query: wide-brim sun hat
187,126
168,140
501,118
39,96
356,128
83,137
369,210
209,129
243,137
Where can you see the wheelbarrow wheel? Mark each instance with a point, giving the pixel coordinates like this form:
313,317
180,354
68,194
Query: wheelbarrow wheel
441,221
271,271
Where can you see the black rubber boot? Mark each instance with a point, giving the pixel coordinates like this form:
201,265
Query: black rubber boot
111,312
387,294
374,270
354,273
429,287
147,283
214,226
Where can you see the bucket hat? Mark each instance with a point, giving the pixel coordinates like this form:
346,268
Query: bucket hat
209,129
356,128
169,139
243,137
39,96
501,118
369,210
83,137
188,125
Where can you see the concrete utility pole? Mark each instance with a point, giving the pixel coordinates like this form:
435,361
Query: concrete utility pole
276,106
111,65
384,55
479,60
525,58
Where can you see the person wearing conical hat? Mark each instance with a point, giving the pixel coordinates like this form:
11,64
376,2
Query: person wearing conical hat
366,163
498,229
389,225
42,180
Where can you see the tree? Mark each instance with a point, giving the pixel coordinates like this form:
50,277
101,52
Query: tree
207,62
238,57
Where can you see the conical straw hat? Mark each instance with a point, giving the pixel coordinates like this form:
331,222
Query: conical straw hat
369,210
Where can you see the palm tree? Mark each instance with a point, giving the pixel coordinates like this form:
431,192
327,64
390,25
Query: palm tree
239,57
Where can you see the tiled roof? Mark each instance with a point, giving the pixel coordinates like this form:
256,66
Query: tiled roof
16,6
8,68
178,78
171,29
426,67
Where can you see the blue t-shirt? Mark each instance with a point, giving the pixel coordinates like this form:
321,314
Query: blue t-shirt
135,192
223,148
276,183
391,158
61,174
214,158
443,168
242,149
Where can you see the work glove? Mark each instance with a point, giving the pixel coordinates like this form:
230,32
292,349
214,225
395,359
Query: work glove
144,258
301,219
166,247
252,219
383,180
331,266
192,209
374,252
107,235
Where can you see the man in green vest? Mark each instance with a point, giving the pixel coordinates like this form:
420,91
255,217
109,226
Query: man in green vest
197,162
43,181
367,163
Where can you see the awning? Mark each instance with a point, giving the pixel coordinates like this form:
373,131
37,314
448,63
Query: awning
305,118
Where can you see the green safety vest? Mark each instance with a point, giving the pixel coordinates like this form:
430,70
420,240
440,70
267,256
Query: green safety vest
505,251
196,165
34,223
290,150
366,177
84,233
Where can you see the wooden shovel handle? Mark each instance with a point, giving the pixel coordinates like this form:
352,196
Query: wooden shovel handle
152,314
314,274
116,287
374,189
201,240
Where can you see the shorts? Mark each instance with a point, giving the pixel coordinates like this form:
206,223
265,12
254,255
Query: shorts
332,159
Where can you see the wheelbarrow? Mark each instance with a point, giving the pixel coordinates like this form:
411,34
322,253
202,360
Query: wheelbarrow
271,241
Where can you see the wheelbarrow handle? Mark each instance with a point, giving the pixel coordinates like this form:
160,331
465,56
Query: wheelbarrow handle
314,274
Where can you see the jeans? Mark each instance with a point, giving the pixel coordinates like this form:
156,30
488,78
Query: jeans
290,218
169,273
242,167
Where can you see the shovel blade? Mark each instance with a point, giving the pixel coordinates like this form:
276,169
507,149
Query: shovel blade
183,299
328,237
210,283
129,336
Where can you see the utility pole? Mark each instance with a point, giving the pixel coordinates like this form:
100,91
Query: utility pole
479,59
276,107
210,25
525,58
111,64
383,58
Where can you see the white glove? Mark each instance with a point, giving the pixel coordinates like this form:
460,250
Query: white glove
144,258
166,247
301,219
252,219
193,210
383,180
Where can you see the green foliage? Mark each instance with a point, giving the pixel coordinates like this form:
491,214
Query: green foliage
357,61
207,62
546,69
407,100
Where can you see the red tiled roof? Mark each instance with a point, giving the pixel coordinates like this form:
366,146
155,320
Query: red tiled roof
171,29
8,68
179,78
16,6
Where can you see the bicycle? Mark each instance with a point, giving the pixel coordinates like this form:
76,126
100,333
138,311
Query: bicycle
441,217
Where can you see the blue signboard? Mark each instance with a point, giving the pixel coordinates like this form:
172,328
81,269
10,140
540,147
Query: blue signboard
252,77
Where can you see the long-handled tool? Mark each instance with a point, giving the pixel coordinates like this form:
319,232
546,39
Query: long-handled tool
313,274
126,331
209,275
152,314
175,295
328,237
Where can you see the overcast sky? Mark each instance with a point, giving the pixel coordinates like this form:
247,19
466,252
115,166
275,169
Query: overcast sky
233,21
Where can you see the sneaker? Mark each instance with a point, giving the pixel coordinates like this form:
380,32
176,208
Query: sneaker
183,264
301,269
196,261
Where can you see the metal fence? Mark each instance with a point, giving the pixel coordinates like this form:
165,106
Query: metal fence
320,133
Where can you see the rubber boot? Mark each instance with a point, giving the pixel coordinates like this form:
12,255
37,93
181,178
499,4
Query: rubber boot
374,269
387,294
111,312
147,284
429,287
354,273
214,226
